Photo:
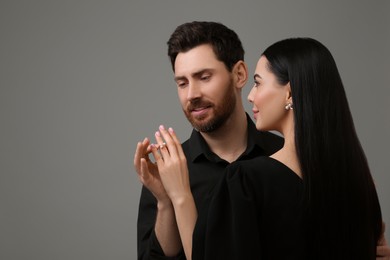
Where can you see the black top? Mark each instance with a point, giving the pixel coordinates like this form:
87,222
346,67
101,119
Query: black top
205,169
254,212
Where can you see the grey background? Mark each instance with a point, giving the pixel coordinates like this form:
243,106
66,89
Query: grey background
82,81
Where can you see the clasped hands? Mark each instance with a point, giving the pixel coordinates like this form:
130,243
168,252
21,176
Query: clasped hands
167,178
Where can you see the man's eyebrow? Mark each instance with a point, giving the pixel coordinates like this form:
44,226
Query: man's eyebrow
194,74
179,78
199,73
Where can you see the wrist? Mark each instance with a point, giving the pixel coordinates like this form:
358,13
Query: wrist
164,204
179,201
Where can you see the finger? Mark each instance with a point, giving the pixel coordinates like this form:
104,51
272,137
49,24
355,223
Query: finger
381,240
168,139
177,142
145,142
141,152
149,149
137,157
159,139
146,151
383,251
144,173
157,156
161,145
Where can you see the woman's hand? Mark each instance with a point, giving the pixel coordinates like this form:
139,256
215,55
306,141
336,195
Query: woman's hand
172,165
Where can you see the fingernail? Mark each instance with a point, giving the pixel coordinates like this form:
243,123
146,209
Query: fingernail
162,127
157,133
170,130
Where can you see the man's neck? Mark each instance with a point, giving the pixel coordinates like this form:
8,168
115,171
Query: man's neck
230,140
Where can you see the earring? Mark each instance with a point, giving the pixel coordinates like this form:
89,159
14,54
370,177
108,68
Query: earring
289,106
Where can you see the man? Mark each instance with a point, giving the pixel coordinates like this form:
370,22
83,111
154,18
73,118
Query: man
207,59
208,63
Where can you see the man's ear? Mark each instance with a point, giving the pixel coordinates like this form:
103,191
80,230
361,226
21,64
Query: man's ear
240,74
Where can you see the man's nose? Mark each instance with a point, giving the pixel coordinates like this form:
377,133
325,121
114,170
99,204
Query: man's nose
194,91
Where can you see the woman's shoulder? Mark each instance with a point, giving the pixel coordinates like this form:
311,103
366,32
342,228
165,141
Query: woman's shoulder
262,168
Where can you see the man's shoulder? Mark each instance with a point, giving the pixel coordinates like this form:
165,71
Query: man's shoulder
186,146
185,143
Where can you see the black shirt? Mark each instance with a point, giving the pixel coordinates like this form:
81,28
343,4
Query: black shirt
205,169
254,212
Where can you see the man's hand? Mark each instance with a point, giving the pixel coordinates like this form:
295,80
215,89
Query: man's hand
148,172
382,248
165,227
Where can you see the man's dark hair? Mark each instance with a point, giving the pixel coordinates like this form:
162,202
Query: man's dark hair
225,42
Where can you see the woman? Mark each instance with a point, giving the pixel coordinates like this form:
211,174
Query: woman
313,199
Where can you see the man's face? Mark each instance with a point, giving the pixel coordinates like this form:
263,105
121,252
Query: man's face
205,88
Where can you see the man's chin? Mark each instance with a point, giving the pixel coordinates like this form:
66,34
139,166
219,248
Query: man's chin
197,124
199,120
205,123
204,126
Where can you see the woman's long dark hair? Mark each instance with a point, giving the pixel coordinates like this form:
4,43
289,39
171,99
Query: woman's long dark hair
342,218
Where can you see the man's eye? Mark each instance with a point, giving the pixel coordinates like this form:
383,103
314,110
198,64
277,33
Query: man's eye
181,84
205,77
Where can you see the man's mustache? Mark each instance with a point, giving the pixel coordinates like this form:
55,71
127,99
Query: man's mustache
194,105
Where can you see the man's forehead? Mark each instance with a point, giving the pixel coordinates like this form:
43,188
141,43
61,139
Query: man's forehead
197,59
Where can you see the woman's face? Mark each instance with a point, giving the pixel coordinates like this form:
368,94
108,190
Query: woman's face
269,98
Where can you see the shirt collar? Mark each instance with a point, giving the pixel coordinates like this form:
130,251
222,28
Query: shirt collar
199,147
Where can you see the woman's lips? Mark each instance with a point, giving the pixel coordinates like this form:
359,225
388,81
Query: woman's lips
255,112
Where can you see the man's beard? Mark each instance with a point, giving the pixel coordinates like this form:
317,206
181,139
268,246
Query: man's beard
220,112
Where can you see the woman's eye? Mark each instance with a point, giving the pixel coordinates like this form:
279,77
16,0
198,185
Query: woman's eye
256,84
